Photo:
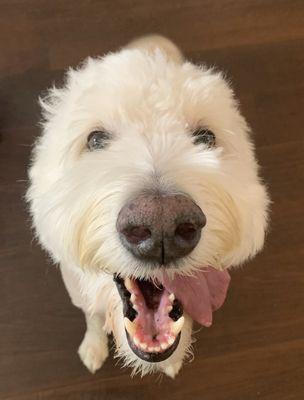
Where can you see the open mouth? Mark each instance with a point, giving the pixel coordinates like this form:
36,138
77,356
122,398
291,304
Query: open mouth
153,318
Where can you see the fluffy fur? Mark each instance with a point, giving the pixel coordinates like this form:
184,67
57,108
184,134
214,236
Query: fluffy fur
150,100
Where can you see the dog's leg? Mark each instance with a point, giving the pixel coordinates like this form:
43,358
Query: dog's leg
94,347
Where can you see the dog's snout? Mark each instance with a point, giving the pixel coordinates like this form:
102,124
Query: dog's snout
160,228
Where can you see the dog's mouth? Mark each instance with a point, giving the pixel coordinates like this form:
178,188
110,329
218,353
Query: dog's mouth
153,318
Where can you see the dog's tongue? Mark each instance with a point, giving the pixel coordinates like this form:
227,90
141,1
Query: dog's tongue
200,294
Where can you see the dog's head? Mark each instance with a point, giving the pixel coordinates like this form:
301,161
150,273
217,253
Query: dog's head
145,170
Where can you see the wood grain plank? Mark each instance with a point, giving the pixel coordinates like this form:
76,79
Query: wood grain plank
255,349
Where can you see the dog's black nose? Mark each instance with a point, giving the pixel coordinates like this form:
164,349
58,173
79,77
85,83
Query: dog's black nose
160,228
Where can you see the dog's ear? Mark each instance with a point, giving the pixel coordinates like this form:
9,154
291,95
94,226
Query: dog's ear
151,43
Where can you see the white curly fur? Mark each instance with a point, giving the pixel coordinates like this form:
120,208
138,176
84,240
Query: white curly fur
150,101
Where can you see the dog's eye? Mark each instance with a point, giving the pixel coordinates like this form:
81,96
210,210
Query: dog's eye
204,136
97,140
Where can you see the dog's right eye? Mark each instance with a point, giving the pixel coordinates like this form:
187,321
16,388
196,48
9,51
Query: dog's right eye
97,140
204,136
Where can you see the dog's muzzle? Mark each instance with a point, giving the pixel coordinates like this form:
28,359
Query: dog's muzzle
160,228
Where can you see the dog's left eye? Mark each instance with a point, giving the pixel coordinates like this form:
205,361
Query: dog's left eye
204,136
97,140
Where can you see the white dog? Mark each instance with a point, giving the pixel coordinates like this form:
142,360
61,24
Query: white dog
144,188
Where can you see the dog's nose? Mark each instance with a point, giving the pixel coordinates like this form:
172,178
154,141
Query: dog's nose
160,228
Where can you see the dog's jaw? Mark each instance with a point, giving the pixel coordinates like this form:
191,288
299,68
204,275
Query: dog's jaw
170,366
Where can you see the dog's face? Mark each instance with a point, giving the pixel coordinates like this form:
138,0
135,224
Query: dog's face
145,171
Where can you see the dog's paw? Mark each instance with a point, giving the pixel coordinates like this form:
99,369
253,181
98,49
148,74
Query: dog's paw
172,370
93,351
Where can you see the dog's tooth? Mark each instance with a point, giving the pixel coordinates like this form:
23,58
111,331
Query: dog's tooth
156,349
128,284
135,307
164,345
177,326
169,308
143,345
171,340
136,341
171,297
130,326
150,349
133,298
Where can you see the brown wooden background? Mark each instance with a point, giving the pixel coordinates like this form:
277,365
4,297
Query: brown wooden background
255,349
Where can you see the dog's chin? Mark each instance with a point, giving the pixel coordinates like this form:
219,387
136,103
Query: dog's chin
153,318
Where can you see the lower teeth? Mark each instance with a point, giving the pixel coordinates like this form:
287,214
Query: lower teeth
176,327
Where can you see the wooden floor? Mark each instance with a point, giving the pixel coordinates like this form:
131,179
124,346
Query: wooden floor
255,349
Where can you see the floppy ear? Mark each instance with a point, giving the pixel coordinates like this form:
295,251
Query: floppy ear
253,215
151,43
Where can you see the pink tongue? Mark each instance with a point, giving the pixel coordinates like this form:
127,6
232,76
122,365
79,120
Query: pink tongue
201,293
